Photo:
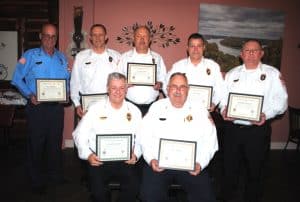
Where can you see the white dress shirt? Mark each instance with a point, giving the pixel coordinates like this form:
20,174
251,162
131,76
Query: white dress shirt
90,71
103,119
264,80
206,73
143,94
188,123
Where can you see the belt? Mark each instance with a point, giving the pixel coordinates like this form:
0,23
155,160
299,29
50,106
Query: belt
244,126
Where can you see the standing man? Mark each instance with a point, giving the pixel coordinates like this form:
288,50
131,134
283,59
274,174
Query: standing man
200,70
92,66
250,140
111,116
177,118
143,96
43,138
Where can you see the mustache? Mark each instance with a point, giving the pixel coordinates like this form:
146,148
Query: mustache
177,94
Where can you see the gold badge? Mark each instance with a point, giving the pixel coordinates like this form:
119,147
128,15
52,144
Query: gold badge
189,118
128,116
263,77
208,71
103,117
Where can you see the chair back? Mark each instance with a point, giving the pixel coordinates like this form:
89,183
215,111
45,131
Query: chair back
294,122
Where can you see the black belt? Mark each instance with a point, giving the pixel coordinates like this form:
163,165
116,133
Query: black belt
244,126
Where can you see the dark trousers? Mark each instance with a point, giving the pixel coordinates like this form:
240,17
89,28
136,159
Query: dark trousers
44,145
100,176
155,185
247,147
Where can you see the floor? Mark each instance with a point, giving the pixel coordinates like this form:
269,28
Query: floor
282,180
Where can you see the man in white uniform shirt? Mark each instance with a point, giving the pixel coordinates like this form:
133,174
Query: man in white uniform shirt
143,96
250,140
200,70
91,67
178,119
111,116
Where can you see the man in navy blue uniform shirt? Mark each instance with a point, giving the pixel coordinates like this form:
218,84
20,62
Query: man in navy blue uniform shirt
45,120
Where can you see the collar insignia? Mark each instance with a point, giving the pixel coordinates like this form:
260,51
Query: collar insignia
208,71
128,116
263,77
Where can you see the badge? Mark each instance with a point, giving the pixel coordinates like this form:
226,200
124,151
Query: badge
189,118
110,59
263,77
236,80
103,117
88,63
128,116
208,71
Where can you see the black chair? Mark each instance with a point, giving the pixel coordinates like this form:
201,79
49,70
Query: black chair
294,127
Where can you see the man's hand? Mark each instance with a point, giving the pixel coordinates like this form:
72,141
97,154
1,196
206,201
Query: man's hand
262,120
157,86
197,170
79,111
133,159
154,166
94,160
224,115
212,107
34,100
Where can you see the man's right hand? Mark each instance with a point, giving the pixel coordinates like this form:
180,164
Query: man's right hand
79,111
154,166
33,100
94,160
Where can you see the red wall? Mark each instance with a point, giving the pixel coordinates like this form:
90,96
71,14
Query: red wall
183,14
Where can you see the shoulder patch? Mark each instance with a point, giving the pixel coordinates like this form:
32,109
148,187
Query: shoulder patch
22,61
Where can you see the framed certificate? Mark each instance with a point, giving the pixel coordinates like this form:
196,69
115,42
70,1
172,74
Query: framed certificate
202,94
113,147
51,90
88,99
177,154
244,106
141,74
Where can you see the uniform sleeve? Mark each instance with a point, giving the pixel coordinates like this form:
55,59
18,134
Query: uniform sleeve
22,68
122,65
224,94
81,136
147,138
277,97
138,146
75,83
219,86
207,144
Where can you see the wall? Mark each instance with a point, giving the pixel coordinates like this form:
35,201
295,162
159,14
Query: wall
183,14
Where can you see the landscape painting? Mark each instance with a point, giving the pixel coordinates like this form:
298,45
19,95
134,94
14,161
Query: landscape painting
225,28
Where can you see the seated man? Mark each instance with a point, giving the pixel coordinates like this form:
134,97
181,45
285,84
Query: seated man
178,119
112,116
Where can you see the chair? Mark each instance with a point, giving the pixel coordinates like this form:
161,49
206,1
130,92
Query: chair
294,127
6,121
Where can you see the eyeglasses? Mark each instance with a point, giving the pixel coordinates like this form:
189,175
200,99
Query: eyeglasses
248,51
48,36
180,88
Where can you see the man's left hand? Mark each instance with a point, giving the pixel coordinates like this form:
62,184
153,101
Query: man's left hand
197,170
262,120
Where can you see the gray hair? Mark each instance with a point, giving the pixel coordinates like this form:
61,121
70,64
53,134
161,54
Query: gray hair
115,75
